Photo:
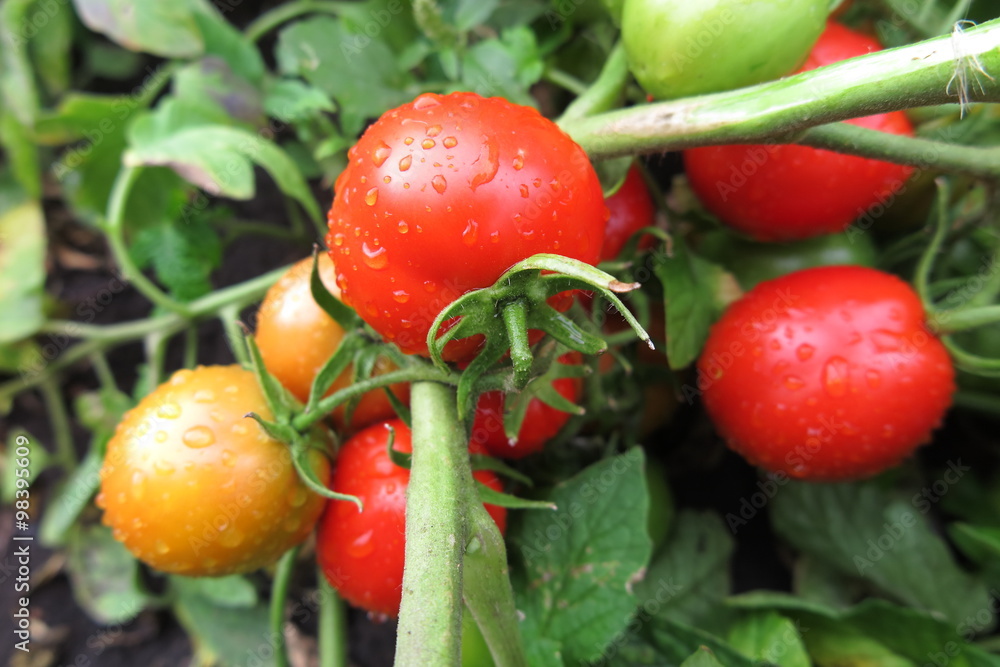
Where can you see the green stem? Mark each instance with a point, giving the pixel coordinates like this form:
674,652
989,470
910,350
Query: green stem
156,352
916,75
190,348
565,80
279,596
980,401
99,338
605,92
59,420
963,319
430,615
922,276
332,626
102,369
230,317
115,229
288,11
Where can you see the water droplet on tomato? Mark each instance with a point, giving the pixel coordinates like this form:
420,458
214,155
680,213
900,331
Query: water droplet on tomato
524,191
537,182
873,377
794,383
169,411
427,144
450,142
204,396
338,239
164,467
228,459
408,141
439,184
137,488
298,497
240,428
161,436
433,130
403,227
470,233
430,286
231,537
401,296
362,546
405,162
381,154
519,160
887,341
836,376
181,376
805,352
375,258
198,437
161,547
426,101
371,196
495,236
487,164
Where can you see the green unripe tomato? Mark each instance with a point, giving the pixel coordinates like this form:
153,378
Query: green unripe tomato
678,48
752,262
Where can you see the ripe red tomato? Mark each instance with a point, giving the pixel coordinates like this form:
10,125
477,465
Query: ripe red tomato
541,421
192,486
444,194
826,374
787,192
361,553
631,209
296,337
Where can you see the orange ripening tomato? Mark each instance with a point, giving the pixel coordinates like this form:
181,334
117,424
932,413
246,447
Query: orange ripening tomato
192,486
296,337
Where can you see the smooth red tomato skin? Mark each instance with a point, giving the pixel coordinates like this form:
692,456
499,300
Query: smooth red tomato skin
296,338
788,192
541,422
192,486
631,209
826,374
444,194
362,553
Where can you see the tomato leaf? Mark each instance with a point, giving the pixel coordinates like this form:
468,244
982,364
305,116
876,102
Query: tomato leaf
212,80
291,100
164,29
104,575
576,567
504,67
703,657
491,496
767,636
690,295
184,254
18,91
22,271
233,591
73,496
861,531
678,642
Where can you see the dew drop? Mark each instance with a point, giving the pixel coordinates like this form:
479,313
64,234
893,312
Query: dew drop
873,378
338,239
405,162
487,164
403,227
298,497
204,396
537,182
433,130
169,411
164,467
470,233
450,142
197,437
805,352
371,196
427,144
240,429
439,184
362,546
426,101
228,459
430,286
495,236
375,258
401,296
138,487
161,547
886,341
231,538
381,154
408,141
161,436
794,383
836,376
524,191
519,160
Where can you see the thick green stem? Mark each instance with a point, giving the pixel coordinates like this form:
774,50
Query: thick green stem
59,420
920,74
279,596
288,11
430,615
605,92
332,624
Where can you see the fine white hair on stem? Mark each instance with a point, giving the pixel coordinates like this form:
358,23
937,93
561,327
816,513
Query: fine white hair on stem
965,63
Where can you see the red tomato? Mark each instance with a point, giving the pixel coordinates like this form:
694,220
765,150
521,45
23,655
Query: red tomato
296,337
631,209
444,194
826,374
541,421
787,192
192,486
362,553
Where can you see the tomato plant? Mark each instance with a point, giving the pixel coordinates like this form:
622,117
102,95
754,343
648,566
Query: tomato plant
825,374
361,553
192,486
630,208
678,48
787,192
296,338
444,194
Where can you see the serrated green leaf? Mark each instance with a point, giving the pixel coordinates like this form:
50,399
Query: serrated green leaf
233,591
211,79
770,638
291,100
858,529
104,575
214,157
703,657
226,635
506,67
22,271
491,496
690,576
184,255
577,565
358,72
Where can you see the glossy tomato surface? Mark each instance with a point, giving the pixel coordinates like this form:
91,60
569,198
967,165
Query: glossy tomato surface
362,553
678,48
826,374
444,194
541,421
296,338
787,192
630,209
192,486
